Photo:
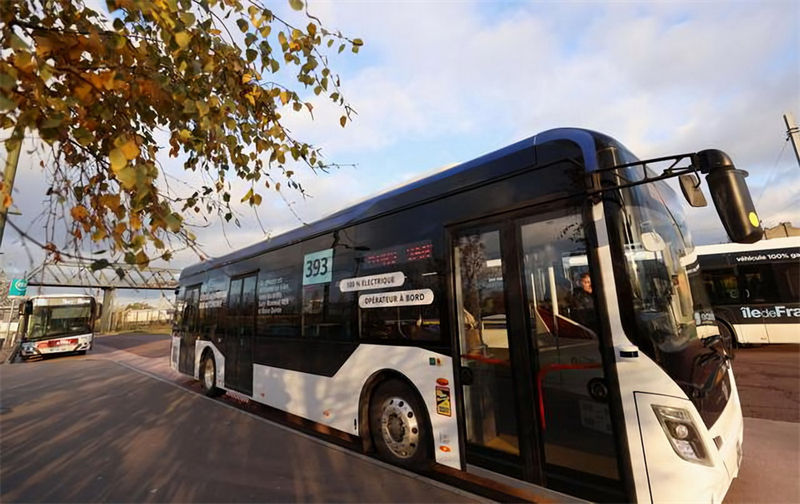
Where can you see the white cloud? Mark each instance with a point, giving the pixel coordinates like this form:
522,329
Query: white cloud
440,82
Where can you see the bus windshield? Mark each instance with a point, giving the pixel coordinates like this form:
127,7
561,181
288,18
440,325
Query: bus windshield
56,321
658,249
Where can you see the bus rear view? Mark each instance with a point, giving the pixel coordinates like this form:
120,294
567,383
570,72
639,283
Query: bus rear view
52,324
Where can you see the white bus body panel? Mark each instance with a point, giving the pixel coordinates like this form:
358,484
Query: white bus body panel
751,333
334,401
783,333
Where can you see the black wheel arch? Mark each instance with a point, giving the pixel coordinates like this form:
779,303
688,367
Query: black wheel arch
721,320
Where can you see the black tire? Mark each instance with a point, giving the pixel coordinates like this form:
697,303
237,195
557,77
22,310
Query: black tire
81,352
728,338
208,376
399,426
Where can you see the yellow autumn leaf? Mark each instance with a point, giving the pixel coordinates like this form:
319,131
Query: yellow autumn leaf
246,78
183,38
126,177
135,222
79,212
284,97
118,160
130,150
185,134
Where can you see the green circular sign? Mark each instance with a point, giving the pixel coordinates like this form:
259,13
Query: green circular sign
18,287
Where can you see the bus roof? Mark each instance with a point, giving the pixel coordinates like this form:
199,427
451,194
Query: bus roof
60,296
766,244
476,171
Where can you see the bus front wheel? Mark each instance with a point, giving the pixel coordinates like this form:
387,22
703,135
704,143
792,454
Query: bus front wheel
208,376
399,426
728,338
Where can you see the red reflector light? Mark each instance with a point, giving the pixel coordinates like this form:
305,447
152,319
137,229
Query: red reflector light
442,381
445,449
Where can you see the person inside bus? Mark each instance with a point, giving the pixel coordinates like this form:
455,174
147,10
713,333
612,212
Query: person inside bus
583,303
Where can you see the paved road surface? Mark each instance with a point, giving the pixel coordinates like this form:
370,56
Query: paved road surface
88,429
140,441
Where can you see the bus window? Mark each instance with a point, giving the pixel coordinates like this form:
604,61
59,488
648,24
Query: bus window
787,280
758,284
722,285
417,322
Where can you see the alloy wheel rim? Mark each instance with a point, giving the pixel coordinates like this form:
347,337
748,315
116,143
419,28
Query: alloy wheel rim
208,374
399,427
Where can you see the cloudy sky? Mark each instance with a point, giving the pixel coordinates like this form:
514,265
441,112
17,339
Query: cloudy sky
440,82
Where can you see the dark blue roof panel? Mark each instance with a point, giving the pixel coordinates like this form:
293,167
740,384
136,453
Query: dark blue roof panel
471,172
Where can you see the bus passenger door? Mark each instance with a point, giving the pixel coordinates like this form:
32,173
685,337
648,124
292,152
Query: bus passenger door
576,434
239,334
190,327
247,334
492,373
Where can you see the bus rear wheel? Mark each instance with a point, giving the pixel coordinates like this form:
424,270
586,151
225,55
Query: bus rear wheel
399,426
208,376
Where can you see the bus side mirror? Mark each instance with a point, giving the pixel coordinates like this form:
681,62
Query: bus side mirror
27,308
690,186
731,196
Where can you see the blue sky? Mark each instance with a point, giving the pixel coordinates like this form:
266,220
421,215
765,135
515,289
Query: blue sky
439,83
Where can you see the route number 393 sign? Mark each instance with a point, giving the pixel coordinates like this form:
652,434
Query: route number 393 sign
318,267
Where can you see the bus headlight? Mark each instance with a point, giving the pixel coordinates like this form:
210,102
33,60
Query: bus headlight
682,434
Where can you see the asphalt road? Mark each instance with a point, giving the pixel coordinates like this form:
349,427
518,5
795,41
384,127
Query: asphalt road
122,436
768,379
90,429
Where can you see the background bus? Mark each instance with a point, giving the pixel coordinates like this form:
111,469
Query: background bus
433,323
55,324
754,289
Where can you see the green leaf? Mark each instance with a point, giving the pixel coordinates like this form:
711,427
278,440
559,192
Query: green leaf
83,136
6,81
243,25
17,43
187,18
52,122
296,4
173,221
6,104
358,42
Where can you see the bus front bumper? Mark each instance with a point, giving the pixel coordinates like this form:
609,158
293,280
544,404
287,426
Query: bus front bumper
56,345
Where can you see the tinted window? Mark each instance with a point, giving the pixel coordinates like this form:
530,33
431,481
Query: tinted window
279,281
722,285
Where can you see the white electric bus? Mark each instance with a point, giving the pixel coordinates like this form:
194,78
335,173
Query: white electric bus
55,324
440,324
754,289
